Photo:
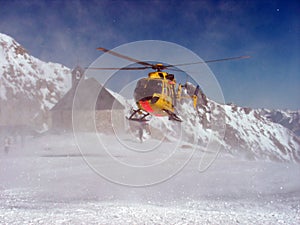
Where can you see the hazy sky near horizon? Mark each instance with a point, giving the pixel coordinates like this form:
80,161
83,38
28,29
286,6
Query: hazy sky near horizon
68,32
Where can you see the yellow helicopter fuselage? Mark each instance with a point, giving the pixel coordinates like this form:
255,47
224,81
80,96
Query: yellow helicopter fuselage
156,94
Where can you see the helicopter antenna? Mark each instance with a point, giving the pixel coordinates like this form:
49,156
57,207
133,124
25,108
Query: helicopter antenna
186,78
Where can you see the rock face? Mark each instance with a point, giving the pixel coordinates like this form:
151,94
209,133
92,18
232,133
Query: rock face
289,119
29,87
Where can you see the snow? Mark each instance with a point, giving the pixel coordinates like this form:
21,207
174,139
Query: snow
2,92
123,213
47,181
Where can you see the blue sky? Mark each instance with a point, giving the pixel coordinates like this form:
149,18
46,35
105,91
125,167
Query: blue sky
68,32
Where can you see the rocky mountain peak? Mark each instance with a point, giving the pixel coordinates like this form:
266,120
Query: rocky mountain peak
29,87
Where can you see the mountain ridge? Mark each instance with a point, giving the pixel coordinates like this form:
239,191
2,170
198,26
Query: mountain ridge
287,118
29,86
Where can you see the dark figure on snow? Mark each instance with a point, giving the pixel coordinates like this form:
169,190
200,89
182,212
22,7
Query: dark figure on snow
144,127
7,143
141,133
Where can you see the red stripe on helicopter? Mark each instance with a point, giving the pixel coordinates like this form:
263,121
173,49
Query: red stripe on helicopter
146,106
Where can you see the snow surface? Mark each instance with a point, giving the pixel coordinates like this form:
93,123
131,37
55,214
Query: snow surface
45,180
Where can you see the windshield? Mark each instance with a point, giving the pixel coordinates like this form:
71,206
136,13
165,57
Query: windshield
146,88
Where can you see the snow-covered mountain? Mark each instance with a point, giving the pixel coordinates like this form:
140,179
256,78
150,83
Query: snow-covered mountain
242,131
257,137
29,87
289,119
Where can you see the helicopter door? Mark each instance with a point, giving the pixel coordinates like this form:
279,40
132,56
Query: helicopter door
167,94
172,94
165,90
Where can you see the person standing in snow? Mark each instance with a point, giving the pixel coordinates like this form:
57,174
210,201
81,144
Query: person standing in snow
141,133
7,143
144,127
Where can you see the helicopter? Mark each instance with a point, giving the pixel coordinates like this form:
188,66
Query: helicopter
157,94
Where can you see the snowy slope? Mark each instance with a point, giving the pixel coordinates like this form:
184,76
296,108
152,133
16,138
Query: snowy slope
289,119
244,131
248,130
29,87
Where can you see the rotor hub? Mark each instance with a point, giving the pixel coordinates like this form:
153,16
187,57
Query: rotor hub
158,67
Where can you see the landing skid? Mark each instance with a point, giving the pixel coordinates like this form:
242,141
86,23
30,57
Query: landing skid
141,116
138,115
173,116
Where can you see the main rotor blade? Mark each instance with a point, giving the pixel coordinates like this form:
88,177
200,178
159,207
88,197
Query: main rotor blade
211,61
125,68
124,57
174,69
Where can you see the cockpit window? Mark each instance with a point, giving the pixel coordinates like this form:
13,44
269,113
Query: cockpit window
146,88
